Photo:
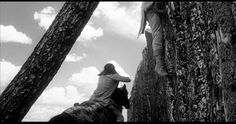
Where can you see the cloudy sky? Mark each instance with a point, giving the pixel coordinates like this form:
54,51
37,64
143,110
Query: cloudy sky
109,36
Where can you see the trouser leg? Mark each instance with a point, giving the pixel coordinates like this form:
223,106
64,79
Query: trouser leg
158,53
157,43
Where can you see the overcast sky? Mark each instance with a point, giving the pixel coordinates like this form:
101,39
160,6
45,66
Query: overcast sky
109,36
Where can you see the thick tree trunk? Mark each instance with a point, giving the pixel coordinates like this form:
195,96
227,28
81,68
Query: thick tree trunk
205,62
148,96
44,62
224,17
201,50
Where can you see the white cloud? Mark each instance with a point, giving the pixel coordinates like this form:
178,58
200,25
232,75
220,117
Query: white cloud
61,95
74,58
8,71
86,80
10,34
89,33
122,20
42,113
53,101
47,15
87,75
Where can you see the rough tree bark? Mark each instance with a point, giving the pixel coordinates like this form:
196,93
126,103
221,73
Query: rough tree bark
224,17
45,61
148,97
200,72
202,53
205,60
193,51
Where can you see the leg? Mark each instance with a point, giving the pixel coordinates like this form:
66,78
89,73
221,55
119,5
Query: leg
158,53
157,43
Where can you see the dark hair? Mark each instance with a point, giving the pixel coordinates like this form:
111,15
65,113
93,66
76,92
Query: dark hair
108,69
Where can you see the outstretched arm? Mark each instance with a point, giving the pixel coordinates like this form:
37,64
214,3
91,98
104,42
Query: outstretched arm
120,78
143,22
145,6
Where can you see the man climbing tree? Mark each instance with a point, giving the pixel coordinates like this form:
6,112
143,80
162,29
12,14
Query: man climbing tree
151,13
44,62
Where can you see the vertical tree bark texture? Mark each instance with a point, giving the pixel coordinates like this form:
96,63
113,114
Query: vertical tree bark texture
200,39
224,16
44,62
205,61
148,95
196,90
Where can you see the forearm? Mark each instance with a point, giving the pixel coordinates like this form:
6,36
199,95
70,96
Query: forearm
121,78
126,79
143,22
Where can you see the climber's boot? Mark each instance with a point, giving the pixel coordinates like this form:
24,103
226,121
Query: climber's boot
160,67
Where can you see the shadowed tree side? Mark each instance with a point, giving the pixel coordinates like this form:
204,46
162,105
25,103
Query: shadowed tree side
197,93
201,51
225,18
205,59
148,100
45,61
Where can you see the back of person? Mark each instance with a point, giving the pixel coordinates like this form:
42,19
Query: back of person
107,83
106,86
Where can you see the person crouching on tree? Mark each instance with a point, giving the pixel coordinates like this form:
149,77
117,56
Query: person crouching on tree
107,83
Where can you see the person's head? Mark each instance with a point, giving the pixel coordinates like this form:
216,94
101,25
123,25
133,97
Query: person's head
108,69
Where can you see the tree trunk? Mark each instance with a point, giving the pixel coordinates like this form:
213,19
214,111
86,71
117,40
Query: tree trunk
224,17
45,61
205,62
200,40
148,97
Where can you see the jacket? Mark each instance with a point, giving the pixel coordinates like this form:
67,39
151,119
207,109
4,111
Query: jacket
106,86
